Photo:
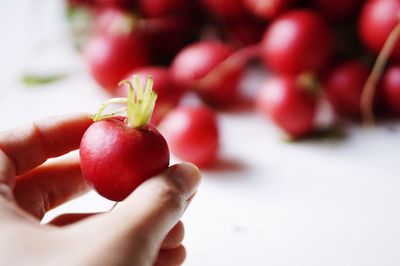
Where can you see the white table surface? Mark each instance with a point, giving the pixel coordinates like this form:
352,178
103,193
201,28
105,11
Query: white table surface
271,203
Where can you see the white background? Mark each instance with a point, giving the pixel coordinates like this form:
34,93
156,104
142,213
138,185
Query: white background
270,202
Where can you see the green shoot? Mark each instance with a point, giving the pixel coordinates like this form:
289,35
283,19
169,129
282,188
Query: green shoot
140,103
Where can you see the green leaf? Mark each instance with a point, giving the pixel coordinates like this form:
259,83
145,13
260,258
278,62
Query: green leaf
37,80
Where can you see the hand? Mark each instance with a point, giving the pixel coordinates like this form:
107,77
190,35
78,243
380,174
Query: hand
143,230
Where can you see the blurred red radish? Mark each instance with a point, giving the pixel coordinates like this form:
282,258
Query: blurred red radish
297,41
158,8
377,20
115,49
116,3
344,85
289,103
167,35
203,67
192,134
224,9
246,30
338,9
391,89
267,9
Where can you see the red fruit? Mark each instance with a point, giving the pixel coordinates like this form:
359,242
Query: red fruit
178,30
111,56
192,134
338,9
168,93
117,154
245,30
158,8
391,88
377,20
344,85
267,9
289,104
297,41
116,158
224,8
116,3
191,66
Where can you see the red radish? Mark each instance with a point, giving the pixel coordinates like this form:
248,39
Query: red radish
246,30
377,20
267,9
297,41
224,9
116,3
194,67
192,134
111,57
289,103
344,85
339,9
178,30
391,88
158,8
119,153
116,48
168,93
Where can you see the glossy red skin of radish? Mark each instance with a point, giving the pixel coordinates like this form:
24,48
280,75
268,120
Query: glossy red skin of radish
378,18
168,93
110,57
196,61
267,9
338,9
344,85
192,134
116,159
391,89
289,105
224,9
297,41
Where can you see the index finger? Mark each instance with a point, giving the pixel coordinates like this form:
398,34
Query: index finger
31,145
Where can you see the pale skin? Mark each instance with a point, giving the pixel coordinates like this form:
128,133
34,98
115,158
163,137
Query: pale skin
145,229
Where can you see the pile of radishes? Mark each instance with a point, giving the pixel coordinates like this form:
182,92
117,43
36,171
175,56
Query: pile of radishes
314,52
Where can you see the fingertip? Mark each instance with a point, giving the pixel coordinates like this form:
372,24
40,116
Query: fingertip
187,176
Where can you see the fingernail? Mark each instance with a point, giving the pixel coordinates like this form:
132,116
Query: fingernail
188,176
5,192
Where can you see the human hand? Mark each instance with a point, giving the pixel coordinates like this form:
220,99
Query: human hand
142,230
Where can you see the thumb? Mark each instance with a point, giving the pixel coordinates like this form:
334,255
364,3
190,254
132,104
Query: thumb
151,211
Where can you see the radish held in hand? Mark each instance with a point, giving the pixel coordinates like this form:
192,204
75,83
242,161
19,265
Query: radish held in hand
192,134
119,153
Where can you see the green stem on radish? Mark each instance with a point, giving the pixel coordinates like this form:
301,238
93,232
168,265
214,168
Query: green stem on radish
140,103
368,93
